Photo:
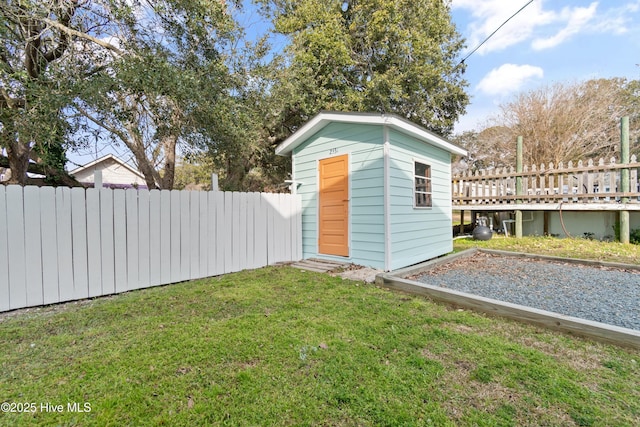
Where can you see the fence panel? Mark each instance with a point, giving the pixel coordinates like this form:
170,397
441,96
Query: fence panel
174,226
5,303
65,248
94,253
194,235
120,231
144,237
235,238
166,262
242,229
107,241
155,240
33,245
261,231
79,243
120,240
64,244
221,229
203,233
15,239
185,236
50,265
271,229
226,240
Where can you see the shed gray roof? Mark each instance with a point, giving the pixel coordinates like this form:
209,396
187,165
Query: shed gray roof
391,120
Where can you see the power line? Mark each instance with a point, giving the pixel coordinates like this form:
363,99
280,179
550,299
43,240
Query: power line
496,30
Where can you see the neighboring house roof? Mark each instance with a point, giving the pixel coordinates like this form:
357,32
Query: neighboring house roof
391,120
118,171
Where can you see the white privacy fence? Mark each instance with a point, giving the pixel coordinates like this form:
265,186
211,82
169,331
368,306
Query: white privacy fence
62,244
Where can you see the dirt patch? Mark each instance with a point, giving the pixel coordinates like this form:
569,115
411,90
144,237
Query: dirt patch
358,273
47,310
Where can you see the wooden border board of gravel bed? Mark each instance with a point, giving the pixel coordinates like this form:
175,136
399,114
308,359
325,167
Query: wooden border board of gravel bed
398,280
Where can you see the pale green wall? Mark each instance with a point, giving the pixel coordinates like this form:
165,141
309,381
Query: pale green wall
577,223
418,234
363,144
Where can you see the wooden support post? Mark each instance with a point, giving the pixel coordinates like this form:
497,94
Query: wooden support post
624,178
519,161
461,223
545,226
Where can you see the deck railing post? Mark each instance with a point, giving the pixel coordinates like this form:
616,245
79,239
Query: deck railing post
519,161
624,178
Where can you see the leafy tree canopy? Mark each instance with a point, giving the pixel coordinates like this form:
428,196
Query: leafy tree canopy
162,82
35,85
369,55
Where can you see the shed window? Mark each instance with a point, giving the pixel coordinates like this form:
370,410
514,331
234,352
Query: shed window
422,179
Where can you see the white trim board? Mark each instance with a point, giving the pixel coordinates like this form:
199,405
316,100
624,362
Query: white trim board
392,121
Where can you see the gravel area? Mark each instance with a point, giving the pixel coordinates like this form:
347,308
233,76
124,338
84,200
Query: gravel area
603,294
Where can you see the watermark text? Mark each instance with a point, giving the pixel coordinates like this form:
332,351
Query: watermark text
45,407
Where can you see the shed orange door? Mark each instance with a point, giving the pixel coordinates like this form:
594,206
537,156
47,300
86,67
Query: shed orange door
333,211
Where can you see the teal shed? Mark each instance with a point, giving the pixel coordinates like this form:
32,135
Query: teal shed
375,189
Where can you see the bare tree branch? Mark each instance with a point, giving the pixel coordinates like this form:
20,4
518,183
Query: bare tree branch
84,36
121,135
561,122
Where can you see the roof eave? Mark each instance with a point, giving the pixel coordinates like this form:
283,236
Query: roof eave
102,159
322,119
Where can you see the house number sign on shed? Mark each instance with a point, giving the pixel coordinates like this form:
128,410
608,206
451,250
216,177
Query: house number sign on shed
333,151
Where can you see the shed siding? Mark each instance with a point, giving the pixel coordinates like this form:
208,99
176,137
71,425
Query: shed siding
363,143
422,233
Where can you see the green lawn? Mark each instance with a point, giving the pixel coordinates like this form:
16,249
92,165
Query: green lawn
279,346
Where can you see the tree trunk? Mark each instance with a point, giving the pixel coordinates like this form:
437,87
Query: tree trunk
169,145
136,145
18,155
60,177
145,167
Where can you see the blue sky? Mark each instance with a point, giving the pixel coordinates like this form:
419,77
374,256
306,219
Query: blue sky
550,41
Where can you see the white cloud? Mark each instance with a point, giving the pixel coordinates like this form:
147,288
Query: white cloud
538,23
577,20
489,15
508,78
617,20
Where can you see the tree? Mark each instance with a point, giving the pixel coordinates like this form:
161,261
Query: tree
483,149
242,151
164,81
146,74
565,121
370,55
35,86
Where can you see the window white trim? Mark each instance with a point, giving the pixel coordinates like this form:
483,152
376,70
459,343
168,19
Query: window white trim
422,198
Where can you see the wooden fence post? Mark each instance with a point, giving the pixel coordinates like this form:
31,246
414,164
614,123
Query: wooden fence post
97,179
214,182
624,178
519,186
